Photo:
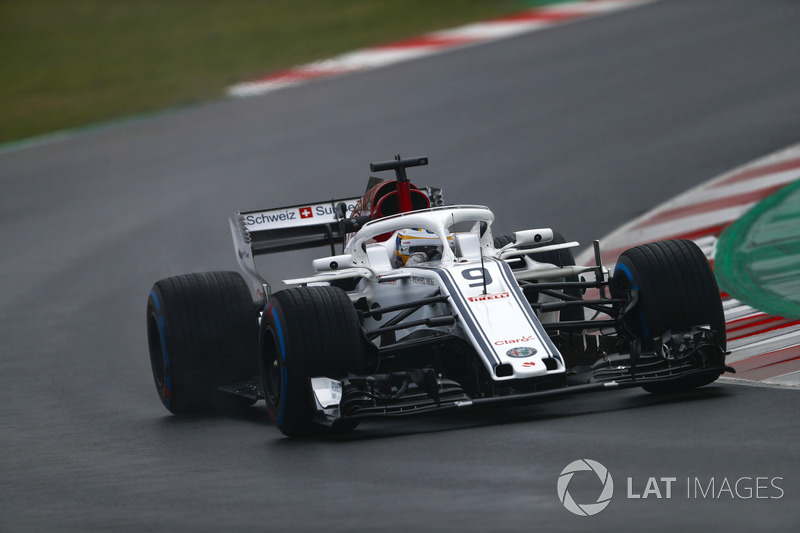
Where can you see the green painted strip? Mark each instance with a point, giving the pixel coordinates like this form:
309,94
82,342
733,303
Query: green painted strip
758,257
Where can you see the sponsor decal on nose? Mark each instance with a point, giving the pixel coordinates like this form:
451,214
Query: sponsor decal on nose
526,338
521,351
488,297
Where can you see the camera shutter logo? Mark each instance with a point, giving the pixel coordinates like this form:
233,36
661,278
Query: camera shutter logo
585,509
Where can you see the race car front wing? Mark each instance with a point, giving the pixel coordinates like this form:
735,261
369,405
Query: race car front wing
680,356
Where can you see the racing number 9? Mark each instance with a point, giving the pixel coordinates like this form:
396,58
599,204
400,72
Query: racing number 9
479,274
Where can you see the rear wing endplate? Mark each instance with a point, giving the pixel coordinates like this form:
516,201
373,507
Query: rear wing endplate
287,228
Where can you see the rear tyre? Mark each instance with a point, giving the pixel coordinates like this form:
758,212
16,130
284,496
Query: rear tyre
202,331
676,291
306,332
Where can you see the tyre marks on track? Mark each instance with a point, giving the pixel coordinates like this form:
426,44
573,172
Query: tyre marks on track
764,347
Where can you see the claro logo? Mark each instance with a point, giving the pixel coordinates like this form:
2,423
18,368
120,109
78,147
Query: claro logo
520,340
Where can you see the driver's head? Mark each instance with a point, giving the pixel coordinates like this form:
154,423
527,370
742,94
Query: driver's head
413,246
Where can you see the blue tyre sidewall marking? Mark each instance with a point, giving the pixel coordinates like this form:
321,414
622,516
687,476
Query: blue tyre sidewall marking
625,270
284,379
161,323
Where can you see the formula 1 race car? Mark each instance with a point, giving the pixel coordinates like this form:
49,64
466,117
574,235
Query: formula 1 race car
424,310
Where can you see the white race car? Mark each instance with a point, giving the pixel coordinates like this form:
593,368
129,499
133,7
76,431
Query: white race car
422,310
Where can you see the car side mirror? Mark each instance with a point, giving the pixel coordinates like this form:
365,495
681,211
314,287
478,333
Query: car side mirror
334,262
532,236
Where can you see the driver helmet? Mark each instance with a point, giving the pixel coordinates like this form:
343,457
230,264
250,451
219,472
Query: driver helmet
414,246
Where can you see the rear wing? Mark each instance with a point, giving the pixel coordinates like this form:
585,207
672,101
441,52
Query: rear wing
311,225
287,228
294,227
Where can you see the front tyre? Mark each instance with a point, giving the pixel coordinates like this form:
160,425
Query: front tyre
676,290
202,332
306,332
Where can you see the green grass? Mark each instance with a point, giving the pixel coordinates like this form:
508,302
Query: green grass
69,63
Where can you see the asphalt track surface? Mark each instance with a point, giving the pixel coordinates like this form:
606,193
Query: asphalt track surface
581,128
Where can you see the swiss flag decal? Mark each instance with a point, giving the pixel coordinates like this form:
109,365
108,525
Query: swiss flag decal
305,212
